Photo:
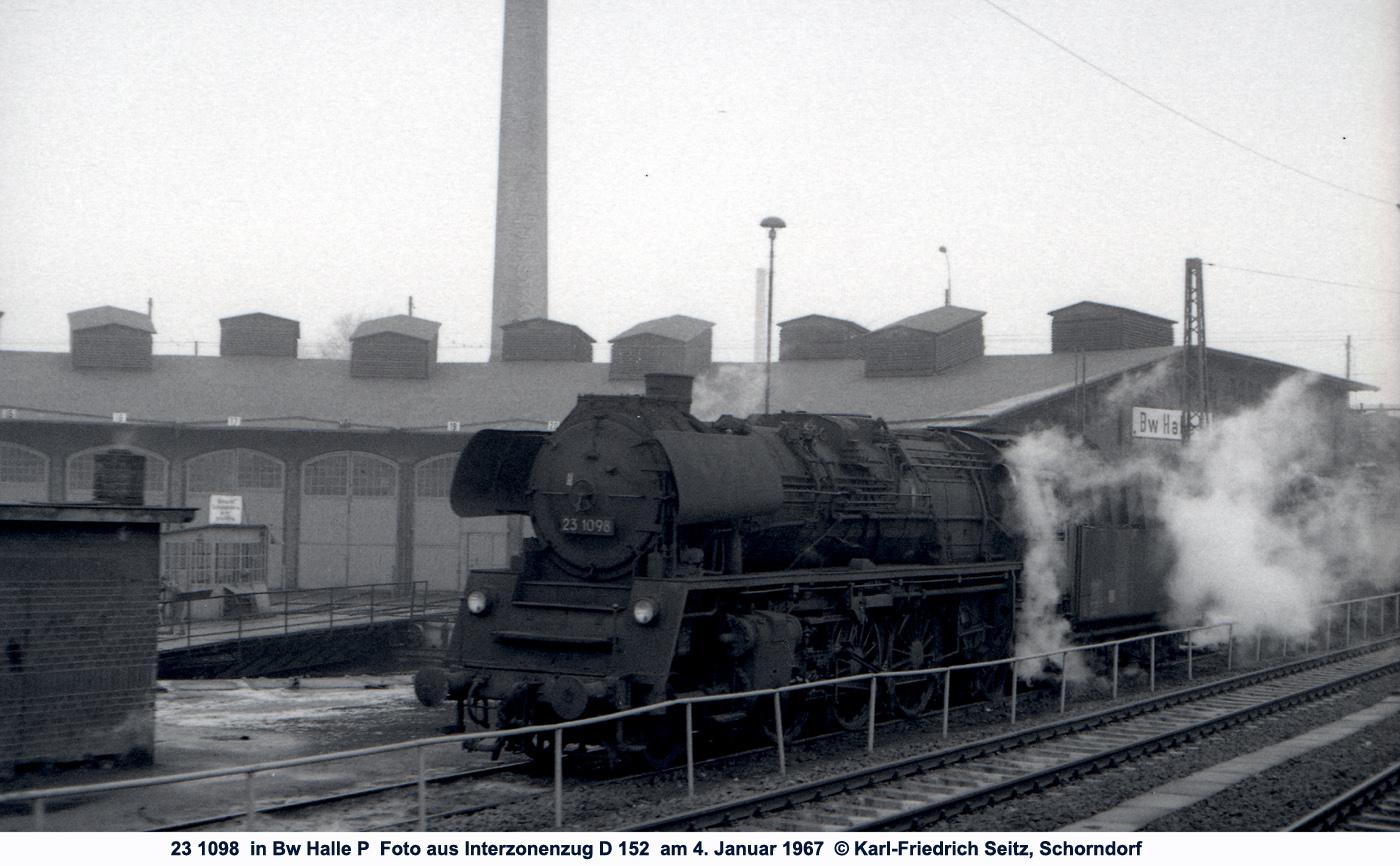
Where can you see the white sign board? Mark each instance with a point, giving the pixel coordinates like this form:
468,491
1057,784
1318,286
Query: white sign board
1151,423
224,508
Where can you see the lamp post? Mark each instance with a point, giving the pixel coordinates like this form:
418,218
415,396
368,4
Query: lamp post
948,292
771,223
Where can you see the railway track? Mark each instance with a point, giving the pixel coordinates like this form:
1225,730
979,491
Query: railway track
293,808
1372,805
915,792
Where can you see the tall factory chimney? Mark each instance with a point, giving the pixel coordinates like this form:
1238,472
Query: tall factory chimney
520,286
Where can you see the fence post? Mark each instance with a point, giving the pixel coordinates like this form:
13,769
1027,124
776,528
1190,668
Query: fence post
558,777
1064,679
1013,691
39,810
778,731
422,791
690,750
1190,656
1347,637
1365,630
1259,646
251,809
1115,671
1152,665
870,723
1230,646
947,692
1328,647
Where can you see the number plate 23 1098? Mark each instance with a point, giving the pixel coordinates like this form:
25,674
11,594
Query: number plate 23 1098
586,525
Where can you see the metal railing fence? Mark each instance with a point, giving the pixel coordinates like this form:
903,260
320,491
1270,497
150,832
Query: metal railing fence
280,611
1381,603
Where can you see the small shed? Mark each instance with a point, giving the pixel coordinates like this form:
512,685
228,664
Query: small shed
110,338
674,344
258,334
81,585
545,340
816,337
214,571
924,344
1089,326
394,347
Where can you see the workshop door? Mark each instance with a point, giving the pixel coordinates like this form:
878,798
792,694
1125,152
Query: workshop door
349,520
447,547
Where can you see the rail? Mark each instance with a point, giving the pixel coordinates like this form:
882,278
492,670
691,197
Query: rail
191,619
1229,642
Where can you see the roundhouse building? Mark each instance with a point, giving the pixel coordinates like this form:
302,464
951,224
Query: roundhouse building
348,462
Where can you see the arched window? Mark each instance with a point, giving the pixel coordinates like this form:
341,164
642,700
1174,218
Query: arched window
349,473
432,478
24,473
234,470
80,469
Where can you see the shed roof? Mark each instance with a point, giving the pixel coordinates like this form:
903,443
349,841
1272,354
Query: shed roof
410,326
815,318
262,317
540,322
1089,306
937,320
683,328
96,317
316,393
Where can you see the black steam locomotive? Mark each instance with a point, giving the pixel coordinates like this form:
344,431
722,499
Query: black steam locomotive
675,556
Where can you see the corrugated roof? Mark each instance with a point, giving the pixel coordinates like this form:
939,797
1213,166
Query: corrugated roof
683,328
96,317
551,323
1113,308
817,317
937,320
411,326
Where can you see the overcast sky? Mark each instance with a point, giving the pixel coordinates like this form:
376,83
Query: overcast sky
312,158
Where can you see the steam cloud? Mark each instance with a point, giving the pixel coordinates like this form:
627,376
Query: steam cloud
731,390
1268,513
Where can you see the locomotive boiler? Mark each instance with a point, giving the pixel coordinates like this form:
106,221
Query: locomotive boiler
674,556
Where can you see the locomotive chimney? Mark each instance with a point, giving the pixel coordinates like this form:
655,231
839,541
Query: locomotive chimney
119,478
671,387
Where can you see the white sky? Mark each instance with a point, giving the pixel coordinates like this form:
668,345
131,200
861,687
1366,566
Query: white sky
326,156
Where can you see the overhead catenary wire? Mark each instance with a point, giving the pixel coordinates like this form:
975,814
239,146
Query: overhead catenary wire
1302,278
1181,114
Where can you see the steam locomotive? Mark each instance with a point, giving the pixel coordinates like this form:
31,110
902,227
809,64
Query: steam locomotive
679,557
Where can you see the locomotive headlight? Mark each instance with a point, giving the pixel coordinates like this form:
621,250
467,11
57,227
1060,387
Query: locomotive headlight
477,602
644,611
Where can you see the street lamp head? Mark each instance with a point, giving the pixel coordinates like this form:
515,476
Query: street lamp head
773,223
943,249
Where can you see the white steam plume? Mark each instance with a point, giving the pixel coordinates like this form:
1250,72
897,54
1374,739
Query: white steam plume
727,390
1265,517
